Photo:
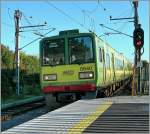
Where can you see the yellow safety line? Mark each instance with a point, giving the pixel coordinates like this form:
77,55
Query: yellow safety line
79,127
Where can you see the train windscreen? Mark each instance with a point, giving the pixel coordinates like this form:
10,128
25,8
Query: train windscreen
53,52
81,50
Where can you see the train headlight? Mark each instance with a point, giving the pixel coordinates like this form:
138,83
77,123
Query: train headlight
86,75
49,77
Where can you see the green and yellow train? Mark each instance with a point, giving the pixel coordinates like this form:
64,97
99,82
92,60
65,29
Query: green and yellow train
80,65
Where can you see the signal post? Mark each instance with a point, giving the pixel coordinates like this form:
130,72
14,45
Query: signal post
138,41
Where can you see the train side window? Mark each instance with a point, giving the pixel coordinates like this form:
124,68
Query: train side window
103,55
116,63
100,54
123,64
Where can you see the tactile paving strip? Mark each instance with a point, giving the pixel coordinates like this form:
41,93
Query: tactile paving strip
122,118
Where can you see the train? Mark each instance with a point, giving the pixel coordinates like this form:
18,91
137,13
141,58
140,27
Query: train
77,65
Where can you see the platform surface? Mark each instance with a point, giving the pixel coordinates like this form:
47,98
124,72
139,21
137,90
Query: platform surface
123,114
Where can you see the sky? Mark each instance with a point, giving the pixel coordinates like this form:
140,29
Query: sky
82,14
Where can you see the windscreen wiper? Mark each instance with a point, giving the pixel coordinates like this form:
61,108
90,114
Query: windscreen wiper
78,61
52,65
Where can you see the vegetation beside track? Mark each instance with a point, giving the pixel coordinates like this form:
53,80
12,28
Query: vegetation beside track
29,76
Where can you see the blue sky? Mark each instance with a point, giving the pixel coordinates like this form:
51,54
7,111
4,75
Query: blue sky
88,13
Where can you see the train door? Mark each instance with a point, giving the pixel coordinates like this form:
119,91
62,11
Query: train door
113,67
100,66
104,66
108,69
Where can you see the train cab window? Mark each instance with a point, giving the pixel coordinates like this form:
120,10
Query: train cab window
100,54
107,61
53,52
80,50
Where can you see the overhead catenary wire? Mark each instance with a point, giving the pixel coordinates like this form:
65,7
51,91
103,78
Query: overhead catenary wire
26,19
10,17
102,25
11,27
125,23
37,39
92,20
94,10
131,4
35,30
68,16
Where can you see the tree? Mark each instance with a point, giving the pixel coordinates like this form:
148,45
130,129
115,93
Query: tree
6,57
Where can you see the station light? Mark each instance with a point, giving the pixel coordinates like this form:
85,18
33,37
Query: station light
138,38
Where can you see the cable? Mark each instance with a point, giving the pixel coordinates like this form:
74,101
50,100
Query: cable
102,6
94,10
9,14
64,13
131,3
30,24
92,20
116,31
35,30
37,39
124,23
26,19
82,10
12,31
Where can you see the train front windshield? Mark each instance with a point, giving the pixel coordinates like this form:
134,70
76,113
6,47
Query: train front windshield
81,50
53,52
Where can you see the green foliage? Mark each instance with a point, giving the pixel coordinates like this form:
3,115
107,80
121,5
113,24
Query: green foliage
29,68
31,90
6,57
29,63
7,85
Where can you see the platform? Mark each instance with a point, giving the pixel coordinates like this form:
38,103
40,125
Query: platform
123,114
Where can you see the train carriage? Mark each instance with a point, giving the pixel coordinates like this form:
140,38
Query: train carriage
80,65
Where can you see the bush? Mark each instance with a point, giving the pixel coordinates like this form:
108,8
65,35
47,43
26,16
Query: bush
29,73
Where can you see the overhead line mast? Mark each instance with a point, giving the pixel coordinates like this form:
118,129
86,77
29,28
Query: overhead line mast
17,17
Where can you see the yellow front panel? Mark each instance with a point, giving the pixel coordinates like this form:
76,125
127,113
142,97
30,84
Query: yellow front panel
67,73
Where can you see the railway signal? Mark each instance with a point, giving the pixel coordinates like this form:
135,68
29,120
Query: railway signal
138,38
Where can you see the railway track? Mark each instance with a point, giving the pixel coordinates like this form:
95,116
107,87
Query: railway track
10,112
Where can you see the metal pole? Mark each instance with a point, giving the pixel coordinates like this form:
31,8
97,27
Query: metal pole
17,16
137,51
139,75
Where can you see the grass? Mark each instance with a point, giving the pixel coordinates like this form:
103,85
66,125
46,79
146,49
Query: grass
27,91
